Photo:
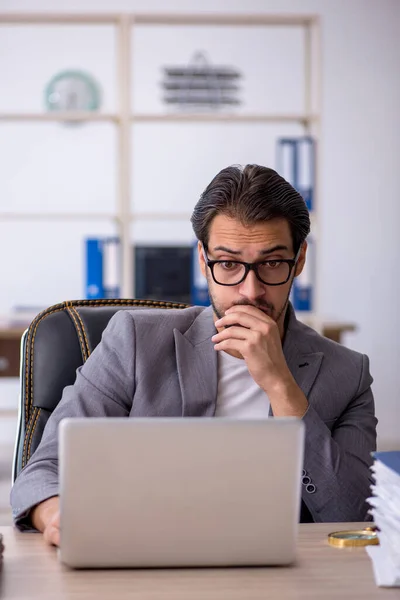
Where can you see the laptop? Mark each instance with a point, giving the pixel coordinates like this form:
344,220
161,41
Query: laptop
184,492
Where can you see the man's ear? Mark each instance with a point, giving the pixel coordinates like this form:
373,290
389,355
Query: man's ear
301,260
202,262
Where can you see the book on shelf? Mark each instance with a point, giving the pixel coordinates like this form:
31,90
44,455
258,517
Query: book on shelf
102,268
302,294
296,164
199,286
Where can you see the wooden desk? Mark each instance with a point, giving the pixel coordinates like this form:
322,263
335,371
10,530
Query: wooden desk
10,342
333,330
31,570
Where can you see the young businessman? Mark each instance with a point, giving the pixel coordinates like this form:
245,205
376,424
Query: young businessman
246,356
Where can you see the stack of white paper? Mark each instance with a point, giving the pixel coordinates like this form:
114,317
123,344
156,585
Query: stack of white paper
385,510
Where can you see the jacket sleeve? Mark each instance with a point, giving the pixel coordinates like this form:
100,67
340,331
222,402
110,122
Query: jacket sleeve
336,477
104,387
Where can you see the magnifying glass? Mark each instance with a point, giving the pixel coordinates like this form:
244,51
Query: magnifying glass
352,538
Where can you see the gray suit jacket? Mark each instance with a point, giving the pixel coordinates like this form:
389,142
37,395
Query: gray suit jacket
162,363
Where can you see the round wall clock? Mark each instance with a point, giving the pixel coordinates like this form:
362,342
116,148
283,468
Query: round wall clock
72,91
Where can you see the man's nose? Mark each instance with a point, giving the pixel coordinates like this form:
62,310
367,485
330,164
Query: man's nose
251,287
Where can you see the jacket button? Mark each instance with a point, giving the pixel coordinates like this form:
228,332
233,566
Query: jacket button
304,472
306,480
310,488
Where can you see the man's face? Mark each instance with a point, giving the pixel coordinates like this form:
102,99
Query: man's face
231,240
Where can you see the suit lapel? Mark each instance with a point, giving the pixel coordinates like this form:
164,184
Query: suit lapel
302,362
305,369
197,366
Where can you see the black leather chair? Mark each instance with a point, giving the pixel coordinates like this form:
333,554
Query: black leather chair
58,341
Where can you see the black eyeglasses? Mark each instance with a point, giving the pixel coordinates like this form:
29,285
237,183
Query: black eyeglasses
269,272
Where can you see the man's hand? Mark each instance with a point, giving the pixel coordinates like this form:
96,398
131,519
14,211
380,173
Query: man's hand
46,518
255,336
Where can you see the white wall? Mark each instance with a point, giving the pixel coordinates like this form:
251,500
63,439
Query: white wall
359,204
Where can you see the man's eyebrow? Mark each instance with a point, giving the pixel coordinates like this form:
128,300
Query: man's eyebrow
274,249
228,250
262,252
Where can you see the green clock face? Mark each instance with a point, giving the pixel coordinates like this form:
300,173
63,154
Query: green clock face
74,91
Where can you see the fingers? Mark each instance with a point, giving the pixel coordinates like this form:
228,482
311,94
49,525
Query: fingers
250,310
250,338
237,332
242,319
235,345
245,320
52,535
44,512
243,326
52,532
55,539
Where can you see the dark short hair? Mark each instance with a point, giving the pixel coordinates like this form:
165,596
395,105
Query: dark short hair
251,194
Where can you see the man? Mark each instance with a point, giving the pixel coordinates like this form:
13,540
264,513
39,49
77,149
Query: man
245,357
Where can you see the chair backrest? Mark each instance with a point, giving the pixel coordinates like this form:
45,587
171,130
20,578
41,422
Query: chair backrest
58,341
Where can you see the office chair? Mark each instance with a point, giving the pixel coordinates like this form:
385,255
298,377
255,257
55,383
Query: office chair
57,342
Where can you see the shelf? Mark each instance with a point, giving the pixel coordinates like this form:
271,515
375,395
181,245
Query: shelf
60,117
225,20
160,216
156,216
224,118
166,118
143,216
8,412
235,20
58,19
56,216
65,117
328,327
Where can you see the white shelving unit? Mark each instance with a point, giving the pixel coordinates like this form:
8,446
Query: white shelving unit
123,118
